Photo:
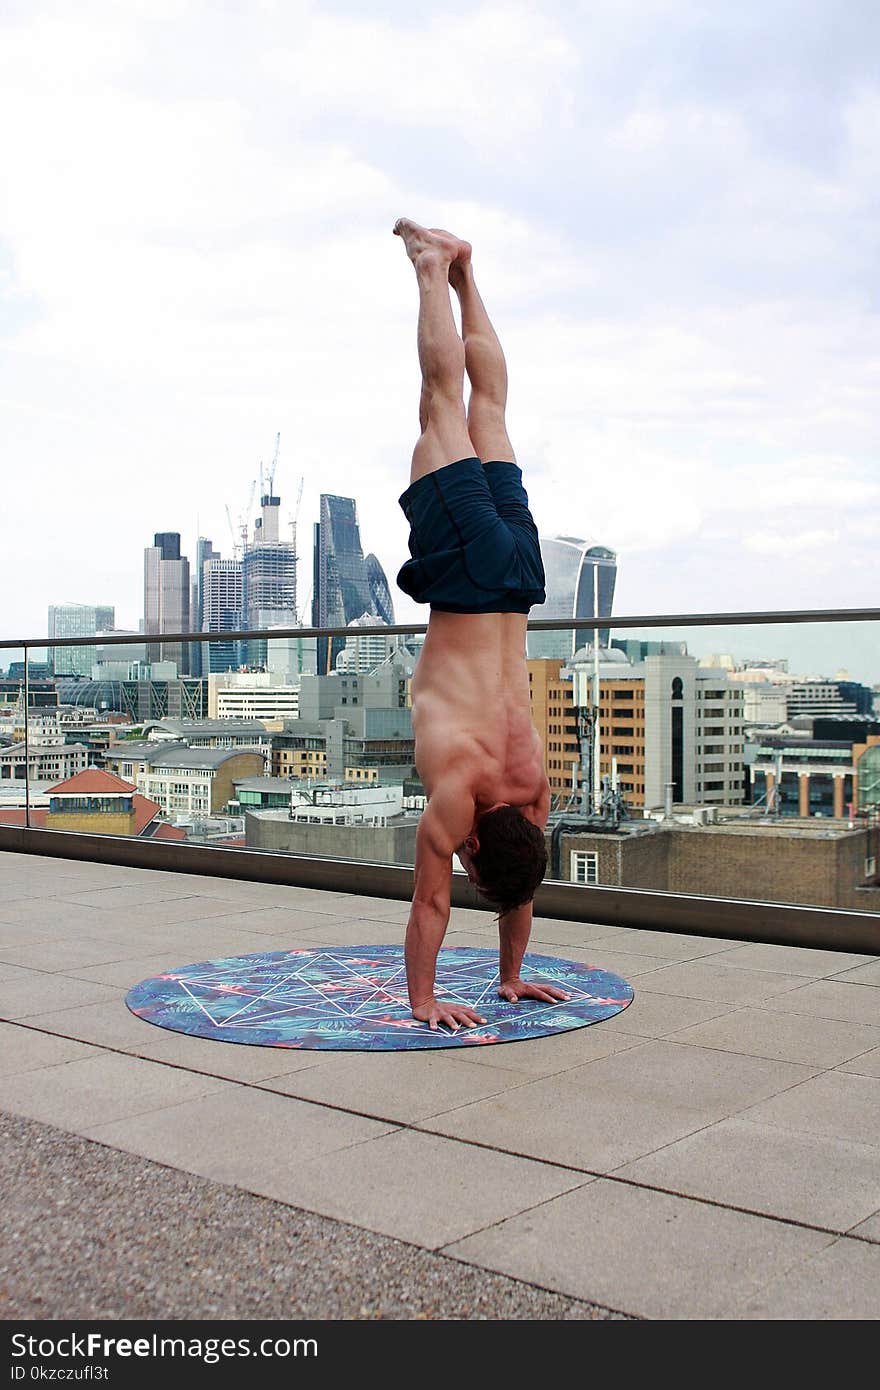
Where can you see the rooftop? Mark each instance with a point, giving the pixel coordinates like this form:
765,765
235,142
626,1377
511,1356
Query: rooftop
710,1152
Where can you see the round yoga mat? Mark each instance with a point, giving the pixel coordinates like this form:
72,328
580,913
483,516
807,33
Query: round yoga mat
354,998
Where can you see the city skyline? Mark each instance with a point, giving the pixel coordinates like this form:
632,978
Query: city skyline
690,322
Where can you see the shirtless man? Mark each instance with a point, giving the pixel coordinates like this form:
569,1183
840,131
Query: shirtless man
477,561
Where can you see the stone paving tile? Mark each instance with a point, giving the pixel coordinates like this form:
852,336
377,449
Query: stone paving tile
868,1230
36,919
554,931
109,1024
57,956
791,960
235,1061
399,1086
706,979
127,973
865,1064
626,964
788,1037
80,1094
562,1121
642,1252
419,1187
714,1083
362,905
654,1015
842,1281
799,1177
356,931
536,1057
9,972
672,945
37,992
130,895
867,974
15,934
181,911
269,921
249,1137
836,1104
24,1049
831,999
197,941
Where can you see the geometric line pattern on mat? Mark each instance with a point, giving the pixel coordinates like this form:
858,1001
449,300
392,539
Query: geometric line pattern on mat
354,998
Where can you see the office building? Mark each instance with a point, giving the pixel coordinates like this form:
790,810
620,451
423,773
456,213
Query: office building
268,579
380,592
341,583
167,598
222,603
577,573
367,647
252,695
76,620
664,722
198,662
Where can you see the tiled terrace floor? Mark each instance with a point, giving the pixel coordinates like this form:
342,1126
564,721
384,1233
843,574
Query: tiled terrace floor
712,1152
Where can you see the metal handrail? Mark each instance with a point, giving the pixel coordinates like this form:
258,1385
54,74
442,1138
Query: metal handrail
795,615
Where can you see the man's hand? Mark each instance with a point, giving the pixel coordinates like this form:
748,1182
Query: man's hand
514,990
451,1015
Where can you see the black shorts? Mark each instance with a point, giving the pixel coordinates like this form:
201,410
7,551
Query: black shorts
473,542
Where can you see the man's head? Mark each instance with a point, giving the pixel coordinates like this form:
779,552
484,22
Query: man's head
506,857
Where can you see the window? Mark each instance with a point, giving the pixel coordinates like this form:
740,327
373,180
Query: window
584,866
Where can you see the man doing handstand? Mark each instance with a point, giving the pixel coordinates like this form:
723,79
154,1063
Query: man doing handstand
476,559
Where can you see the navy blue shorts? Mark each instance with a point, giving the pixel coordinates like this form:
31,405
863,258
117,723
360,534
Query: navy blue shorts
473,542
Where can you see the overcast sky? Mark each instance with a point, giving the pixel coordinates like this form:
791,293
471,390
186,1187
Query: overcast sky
675,218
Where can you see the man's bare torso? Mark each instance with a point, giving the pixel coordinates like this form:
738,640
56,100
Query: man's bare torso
471,708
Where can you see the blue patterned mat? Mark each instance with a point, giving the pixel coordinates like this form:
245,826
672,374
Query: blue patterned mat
354,998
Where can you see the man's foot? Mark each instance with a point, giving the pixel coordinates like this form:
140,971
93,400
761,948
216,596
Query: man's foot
432,242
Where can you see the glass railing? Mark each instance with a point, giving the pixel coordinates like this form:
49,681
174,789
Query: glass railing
704,768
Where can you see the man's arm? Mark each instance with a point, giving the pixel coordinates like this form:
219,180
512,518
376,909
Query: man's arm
514,930
444,825
539,810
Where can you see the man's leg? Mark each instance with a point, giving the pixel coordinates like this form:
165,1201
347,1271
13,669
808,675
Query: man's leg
444,438
486,369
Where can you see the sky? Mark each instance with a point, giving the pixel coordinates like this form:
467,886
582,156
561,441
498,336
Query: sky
674,212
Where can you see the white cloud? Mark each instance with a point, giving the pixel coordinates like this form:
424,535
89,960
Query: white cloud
198,252
484,76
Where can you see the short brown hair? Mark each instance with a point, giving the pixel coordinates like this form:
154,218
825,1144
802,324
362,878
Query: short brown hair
511,860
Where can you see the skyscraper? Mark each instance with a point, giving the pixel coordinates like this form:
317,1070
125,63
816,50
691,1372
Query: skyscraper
268,578
204,551
342,587
221,612
167,598
572,567
77,620
383,604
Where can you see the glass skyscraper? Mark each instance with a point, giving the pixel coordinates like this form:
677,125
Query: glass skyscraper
221,612
342,586
380,593
572,567
268,579
77,620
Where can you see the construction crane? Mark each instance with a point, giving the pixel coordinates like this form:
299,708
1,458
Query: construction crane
240,534
273,465
295,519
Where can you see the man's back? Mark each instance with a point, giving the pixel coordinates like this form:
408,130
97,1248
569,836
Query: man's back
471,709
